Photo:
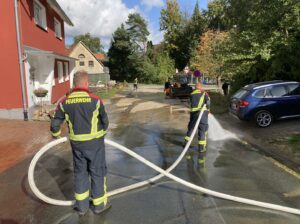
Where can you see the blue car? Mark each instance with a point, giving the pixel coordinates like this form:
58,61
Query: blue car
265,102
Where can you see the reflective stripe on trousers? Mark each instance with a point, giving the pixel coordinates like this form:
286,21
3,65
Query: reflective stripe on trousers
82,196
103,199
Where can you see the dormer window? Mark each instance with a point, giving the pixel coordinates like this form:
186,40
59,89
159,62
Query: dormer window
57,28
81,59
40,14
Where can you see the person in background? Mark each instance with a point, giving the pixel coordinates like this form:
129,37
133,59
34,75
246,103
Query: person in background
225,88
167,87
135,84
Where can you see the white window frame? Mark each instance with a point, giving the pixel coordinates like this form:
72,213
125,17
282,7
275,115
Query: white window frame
81,58
43,22
60,71
91,63
57,28
66,69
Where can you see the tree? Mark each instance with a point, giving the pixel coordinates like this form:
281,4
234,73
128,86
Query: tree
181,33
262,42
193,31
137,29
127,61
119,55
265,43
208,58
165,67
216,17
93,43
171,23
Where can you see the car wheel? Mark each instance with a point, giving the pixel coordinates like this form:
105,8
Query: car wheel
263,118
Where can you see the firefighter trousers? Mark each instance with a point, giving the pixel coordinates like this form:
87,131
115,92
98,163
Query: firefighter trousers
89,173
202,129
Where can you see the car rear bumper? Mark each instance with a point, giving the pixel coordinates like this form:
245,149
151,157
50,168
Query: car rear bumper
241,114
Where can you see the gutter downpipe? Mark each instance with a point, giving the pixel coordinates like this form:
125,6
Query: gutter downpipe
25,112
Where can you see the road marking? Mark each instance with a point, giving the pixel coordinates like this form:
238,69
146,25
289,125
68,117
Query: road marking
283,167
276,163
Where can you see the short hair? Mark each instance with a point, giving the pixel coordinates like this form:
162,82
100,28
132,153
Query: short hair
79,77
198,85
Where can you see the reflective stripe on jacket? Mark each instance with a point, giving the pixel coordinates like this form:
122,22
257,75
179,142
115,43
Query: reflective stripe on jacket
85,115
198,99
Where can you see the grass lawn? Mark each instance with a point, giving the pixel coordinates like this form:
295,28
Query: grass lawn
219,103
109,94
294,142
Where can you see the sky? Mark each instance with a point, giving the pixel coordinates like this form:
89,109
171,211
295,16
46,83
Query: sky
102,17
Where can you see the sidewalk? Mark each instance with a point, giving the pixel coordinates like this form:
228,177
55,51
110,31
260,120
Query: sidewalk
20,139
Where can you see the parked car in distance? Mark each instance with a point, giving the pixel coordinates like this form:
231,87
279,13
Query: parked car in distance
265,102
100,84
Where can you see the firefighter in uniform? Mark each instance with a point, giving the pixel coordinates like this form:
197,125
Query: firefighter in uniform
88,122
198,99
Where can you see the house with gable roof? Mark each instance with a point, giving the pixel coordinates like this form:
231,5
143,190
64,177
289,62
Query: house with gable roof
90,62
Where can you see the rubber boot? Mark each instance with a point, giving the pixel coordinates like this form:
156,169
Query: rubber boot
101,208
201,159
79,212
201,148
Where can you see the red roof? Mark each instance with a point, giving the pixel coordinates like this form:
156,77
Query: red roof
68,51
100,56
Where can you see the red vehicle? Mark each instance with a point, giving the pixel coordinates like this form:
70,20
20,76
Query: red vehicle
179,87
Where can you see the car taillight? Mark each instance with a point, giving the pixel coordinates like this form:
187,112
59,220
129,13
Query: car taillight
243,103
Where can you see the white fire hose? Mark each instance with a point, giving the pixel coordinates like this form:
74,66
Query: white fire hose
162,172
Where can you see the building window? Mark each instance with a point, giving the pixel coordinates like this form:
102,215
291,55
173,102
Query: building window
40,14
91,64
57,28
60,72
81,59
66,65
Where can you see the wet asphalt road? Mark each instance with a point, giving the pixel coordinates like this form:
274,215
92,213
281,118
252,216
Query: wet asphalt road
231,167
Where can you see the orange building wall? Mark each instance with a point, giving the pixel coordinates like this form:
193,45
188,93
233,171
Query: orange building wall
10,83
36,37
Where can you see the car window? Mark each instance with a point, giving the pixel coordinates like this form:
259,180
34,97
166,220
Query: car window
294,89
268,93
240,94
260,93
278,91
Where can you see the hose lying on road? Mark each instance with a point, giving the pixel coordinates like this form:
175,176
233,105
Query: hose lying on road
153,179
46,199
153,166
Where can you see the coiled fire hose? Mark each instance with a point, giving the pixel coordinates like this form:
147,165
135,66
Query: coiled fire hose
162,172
